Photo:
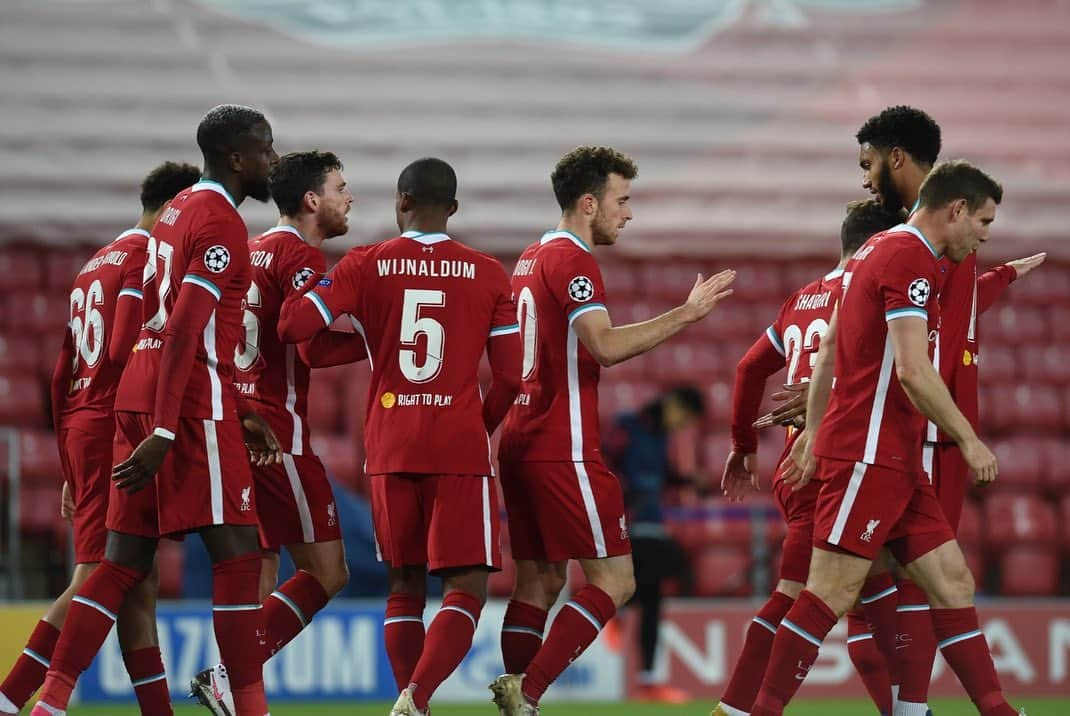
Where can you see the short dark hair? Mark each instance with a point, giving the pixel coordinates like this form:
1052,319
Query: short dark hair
958,179
585,170
690,399
429,181
298,173
865,217
905,127
224,126
166,180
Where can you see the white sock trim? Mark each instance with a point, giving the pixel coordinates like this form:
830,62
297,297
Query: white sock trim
6,705
732,710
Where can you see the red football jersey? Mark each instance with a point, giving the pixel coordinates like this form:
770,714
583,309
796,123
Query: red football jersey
799,328
113,272
199,244
426,307
555,417
894,275
267,371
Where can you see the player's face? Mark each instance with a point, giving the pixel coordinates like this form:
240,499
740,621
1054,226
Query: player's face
877,177
335,200
614,211
971,230
258,159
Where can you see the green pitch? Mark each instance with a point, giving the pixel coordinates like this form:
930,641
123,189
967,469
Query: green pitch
1035,707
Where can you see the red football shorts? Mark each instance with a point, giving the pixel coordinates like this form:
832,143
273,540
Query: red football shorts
441,521
295,503
798,510
85,454
204,480
862,508
564,510
950,477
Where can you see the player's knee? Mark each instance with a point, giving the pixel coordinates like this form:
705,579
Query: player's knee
552,584
956,589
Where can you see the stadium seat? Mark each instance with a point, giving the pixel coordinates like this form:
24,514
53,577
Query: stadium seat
20,352
39,511
22,400
1064,523
1057,466
39,458
36,312
63,264
1029,572
1021,464
170,558
998,364
721,572
1018,519
969,534
1043,365
21,269
1015,325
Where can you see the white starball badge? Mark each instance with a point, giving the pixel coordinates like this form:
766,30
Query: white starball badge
302,276
919,292
581,289
216,259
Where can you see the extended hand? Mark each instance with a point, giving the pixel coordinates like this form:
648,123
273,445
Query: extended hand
1024,266
706,293
260,440
798,467
740,475
792,408
134,473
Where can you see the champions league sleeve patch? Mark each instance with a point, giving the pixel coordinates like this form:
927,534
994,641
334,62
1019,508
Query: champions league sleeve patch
216,259
581,289
918,292
302,276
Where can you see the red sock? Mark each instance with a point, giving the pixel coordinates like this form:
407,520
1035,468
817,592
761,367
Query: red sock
521,635
916,643
89,619
403,632
290,608
29,671
448,640
575,627
966,651
238,621
869,662
795,647
150,682
879,599
747,675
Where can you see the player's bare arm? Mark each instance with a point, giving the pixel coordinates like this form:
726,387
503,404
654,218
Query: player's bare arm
611,344
930,395
799,466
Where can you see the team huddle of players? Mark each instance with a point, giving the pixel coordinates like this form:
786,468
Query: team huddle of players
188,342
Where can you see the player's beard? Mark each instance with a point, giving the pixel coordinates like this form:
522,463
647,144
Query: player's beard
889,196
603,231
333,223
259,189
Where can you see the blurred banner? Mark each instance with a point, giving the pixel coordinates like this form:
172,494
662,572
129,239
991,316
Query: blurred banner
1030,642
340,657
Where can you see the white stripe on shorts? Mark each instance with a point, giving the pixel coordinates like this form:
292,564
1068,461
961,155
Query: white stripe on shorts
215,472
308,532
488,553
848,502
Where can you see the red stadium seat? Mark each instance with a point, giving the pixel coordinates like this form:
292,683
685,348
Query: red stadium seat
1064,522
170,558
1029,572
1057,462
63,265
1045,287
667,279
622,280
36,312
20,352
22,400
1018,519
1016,325
757,281
1021,464
721,572
1042,365
39,511
39,458
1020,406
999,364
21,269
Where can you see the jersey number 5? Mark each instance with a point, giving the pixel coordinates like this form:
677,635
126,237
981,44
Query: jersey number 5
413,325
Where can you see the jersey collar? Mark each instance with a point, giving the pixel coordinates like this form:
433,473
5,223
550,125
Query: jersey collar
557,234
426,239
833,275
132,232
209,185
917,232
288,229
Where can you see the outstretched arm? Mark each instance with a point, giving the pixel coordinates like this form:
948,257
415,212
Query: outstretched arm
611,344
991,284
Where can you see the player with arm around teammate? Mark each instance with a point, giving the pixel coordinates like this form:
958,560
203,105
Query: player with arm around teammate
428,307
294,501
179,421
104,321
563,503
867,448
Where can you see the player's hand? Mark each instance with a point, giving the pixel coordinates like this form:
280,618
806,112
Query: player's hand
706,293
1024,266
981,461
798,467
792,408
66,502
260,440
740,475
134,473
